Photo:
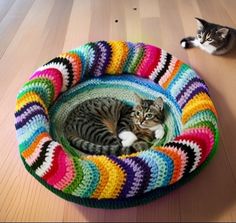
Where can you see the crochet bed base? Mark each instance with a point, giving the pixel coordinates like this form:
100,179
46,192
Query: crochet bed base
104,68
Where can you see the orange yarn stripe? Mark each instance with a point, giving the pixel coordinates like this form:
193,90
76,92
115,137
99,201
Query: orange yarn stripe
28,152
174,72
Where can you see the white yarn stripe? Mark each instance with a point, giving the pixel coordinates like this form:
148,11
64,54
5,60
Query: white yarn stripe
169,71
196,150
33,157
43,169
159,66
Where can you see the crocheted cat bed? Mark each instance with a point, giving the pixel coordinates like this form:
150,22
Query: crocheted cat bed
110,181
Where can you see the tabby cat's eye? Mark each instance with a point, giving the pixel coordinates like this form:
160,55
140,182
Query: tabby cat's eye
138,113
209,39
149,116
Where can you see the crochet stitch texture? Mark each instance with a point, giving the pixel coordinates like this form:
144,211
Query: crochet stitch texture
109,181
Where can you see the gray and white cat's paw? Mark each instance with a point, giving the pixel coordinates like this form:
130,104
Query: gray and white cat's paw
188,42
127,138
159,132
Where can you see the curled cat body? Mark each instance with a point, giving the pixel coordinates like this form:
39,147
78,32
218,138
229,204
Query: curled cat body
109,126
212,38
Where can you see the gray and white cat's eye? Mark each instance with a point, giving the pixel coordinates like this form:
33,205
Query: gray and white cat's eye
199,36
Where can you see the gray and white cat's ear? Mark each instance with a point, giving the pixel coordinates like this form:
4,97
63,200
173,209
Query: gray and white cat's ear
138,98
222,32
200,23
159,103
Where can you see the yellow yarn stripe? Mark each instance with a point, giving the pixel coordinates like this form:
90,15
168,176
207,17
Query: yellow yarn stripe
28,98
118,57
116,178
104,175
198,103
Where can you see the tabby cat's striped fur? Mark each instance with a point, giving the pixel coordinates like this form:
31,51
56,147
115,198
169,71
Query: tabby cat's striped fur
109,126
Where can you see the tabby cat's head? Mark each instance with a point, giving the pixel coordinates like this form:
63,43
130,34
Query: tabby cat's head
148,113
210,34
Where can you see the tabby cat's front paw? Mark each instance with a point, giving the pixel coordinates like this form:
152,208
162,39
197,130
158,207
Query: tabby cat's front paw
160,132
127,138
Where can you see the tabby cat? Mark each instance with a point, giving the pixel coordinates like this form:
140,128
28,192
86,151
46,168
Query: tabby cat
212,38
109,126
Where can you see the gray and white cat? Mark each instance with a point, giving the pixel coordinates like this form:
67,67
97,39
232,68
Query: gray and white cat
212,38
109,126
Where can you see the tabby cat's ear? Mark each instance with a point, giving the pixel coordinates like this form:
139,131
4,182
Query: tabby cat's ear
222,32
159,103
138,98
200,23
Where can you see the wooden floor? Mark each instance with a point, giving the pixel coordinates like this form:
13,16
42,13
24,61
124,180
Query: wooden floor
33,31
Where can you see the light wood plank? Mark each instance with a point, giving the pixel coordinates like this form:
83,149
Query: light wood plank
149,8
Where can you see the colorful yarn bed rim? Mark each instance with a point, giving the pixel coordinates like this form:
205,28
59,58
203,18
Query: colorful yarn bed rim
109,181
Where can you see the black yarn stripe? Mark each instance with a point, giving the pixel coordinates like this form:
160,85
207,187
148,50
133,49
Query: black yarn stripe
165,68
42,156
190,154
69,68
27,106
29,117
97,54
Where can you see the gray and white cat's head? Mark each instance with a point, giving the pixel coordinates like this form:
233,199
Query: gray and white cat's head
211,37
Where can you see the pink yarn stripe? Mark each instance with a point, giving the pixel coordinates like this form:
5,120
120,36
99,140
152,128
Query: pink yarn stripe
61,171
54,75
68,177
203,134
150,61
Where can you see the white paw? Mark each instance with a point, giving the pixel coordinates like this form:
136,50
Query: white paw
159,132
127,138
183,44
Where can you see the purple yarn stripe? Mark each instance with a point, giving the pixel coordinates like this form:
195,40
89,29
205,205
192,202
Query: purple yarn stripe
191,88
192,94
21,121
142,175
28,106
103,60
146,174
137,179
129,176
192,81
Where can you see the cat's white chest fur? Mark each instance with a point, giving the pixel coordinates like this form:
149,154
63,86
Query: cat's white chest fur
208,48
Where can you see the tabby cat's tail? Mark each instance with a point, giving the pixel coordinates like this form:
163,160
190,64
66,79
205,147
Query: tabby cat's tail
95,149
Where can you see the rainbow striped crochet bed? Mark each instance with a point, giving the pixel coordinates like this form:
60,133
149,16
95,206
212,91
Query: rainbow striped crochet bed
115,69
